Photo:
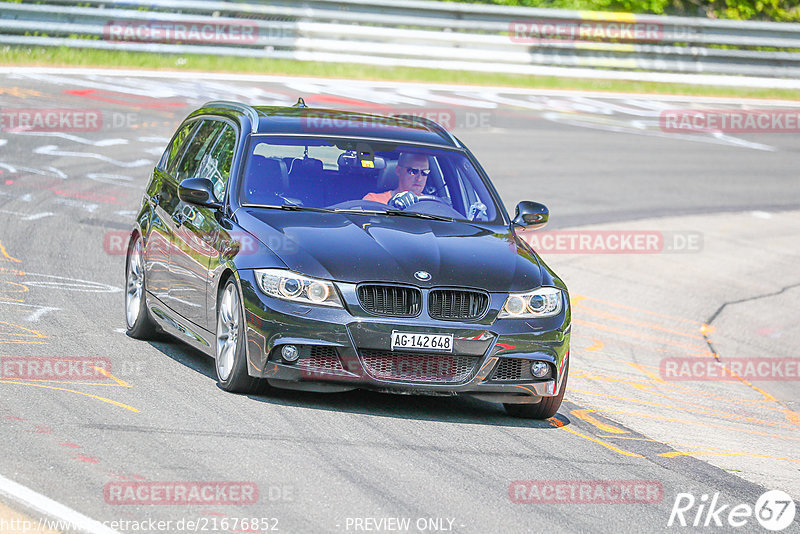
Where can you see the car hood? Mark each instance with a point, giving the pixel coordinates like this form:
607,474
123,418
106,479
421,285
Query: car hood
359,248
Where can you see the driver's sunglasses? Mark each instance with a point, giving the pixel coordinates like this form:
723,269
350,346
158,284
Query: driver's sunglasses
414,171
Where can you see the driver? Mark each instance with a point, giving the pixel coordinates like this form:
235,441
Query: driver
412,173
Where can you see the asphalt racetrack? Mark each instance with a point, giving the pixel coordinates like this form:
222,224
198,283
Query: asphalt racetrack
722,285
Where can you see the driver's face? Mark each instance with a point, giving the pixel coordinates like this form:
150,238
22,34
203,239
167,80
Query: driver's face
410,176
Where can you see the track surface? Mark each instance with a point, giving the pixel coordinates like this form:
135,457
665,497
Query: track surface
329,463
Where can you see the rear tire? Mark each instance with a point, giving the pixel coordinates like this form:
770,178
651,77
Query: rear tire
544,409
231,351
137,317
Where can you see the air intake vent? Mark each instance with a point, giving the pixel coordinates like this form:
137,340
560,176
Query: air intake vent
395,301
415,367
457,304
511,369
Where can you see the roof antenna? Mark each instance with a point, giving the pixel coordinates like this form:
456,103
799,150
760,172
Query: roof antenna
300,103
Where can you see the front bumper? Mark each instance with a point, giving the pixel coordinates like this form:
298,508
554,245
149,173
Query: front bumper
490,358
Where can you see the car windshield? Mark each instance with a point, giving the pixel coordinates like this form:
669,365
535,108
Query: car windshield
348,174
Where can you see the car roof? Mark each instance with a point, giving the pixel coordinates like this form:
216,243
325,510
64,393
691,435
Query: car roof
303,120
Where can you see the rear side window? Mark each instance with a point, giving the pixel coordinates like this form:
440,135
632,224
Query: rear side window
180,136
189,164
216,165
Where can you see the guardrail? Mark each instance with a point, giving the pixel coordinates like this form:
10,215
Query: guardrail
415,33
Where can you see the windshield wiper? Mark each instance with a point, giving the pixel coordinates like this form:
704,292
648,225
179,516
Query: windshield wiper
398,213
418,215
288,207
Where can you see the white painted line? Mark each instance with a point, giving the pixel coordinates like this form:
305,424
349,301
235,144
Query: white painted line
36,216
35,316
50,508
76,138
68,284
52,150
3,141
28,216
57,172
263,78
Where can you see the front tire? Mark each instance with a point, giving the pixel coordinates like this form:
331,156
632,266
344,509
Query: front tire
544,409
231,355
137,318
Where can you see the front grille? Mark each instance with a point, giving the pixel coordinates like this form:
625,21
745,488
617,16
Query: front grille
511,369
395,301
457,304
414,367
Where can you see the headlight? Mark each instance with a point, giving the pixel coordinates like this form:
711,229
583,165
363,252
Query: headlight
542,302
287,285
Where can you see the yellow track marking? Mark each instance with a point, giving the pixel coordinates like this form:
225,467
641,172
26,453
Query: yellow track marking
15,335
697,423
706,453
583,415
103,399
641,311
558,424
597,345
707,450
23,290
649,326
6,256
112,377
702,411
637,335
648,374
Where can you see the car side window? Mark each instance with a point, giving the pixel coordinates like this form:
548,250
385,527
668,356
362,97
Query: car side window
216,165
174,147
196,151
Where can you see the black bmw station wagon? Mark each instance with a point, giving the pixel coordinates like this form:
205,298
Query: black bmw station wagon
328,250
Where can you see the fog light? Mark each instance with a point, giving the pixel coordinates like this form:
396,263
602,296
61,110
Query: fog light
540,369
290,353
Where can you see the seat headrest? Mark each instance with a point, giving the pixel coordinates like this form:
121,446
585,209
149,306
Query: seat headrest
307,165
265,177
388,178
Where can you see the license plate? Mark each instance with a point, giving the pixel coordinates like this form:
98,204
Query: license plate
436,342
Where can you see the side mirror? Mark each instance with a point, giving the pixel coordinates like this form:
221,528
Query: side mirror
198,191
531,215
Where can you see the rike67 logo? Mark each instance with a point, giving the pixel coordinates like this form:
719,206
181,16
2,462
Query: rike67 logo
774,510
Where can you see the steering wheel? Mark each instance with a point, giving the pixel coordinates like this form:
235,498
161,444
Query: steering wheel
420,198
